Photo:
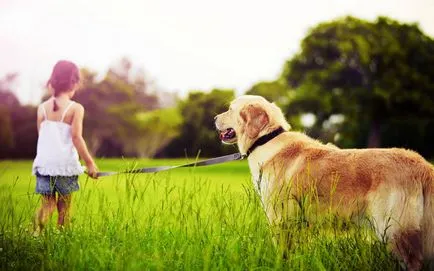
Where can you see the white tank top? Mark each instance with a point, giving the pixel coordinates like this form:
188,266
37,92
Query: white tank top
56,154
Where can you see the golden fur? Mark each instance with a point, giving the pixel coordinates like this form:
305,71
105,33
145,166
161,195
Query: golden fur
392,186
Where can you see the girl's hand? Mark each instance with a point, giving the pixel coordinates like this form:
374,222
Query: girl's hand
92,171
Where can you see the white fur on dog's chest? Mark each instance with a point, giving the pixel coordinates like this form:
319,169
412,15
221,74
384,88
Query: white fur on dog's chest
256,161
260,182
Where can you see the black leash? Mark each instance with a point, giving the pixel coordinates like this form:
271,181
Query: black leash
218,160
208,162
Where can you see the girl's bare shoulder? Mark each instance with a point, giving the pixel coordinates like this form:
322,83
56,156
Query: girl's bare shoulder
43,105
77,107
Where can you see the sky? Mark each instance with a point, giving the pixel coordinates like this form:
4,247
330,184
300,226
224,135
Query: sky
182,45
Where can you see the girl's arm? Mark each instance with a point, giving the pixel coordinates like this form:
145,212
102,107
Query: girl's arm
79,143
40,116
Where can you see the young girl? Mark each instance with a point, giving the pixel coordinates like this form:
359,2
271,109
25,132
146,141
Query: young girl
60,141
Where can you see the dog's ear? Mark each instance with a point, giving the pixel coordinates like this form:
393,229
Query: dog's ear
255,118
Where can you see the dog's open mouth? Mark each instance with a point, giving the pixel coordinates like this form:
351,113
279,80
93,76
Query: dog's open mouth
228,135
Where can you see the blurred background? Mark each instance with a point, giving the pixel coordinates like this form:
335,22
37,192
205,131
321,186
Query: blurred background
354,73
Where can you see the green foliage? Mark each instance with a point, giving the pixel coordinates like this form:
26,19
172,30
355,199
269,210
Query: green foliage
154,131
8,103
370,72
25,136
110,125
198,133
186,219
6,132
18,133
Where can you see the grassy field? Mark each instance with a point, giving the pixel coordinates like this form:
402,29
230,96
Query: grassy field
186,219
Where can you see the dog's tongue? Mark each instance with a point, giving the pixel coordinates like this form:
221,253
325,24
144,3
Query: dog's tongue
227,134
222,135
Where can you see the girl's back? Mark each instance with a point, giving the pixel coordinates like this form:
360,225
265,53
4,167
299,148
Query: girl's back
64,112
56,153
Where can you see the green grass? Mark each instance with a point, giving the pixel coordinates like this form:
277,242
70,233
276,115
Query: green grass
184,219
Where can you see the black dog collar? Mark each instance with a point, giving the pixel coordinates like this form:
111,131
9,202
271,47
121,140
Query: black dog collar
264,139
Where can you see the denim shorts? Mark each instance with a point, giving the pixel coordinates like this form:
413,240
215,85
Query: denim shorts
49,185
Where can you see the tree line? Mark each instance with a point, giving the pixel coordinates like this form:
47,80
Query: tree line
364,84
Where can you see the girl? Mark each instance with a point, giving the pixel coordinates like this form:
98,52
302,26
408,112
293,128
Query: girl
57,165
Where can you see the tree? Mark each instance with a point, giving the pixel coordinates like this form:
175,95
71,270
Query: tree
6,133
369,72
25,135
198,133
8,101
7,97
112,104
18,134
154,131
109,104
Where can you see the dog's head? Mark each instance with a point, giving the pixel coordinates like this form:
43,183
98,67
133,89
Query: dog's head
249,117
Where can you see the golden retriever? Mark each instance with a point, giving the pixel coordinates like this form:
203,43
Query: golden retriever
393,186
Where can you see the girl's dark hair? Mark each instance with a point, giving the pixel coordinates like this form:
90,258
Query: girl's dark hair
63,78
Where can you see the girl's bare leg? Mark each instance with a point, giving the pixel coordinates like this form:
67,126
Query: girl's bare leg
63,208
45,211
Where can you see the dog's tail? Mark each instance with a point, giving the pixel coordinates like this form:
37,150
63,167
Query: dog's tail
428,217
